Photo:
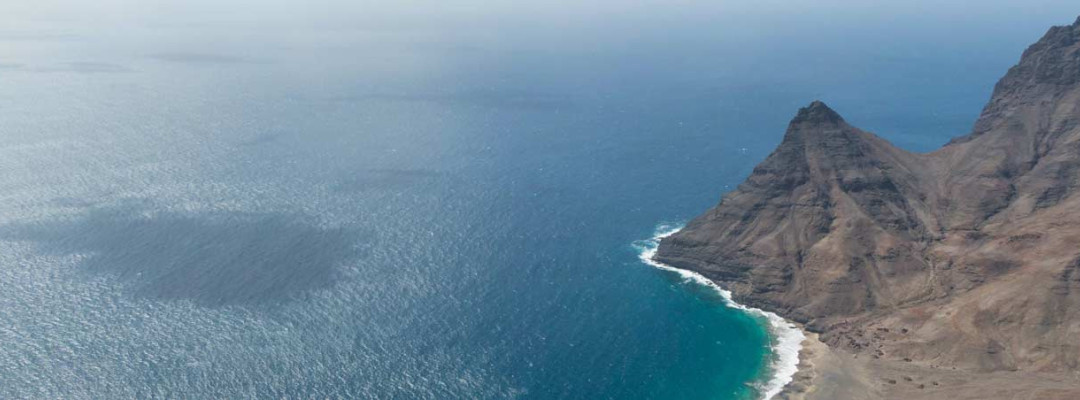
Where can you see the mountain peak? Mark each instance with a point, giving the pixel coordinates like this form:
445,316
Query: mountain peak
1053,55
817,112
1047,70
893,257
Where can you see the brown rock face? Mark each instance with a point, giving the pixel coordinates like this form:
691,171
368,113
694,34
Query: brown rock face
967,257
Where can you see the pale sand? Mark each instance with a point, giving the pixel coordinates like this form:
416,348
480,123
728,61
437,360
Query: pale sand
830,374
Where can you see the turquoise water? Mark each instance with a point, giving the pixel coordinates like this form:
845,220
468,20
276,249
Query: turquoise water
280,202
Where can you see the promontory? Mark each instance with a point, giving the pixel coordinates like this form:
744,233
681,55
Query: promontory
953,274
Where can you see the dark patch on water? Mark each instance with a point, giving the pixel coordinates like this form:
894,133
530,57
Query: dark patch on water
201,58
85,67
508,99
14,35
213,259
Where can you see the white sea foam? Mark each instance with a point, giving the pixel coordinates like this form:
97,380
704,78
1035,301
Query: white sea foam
786,337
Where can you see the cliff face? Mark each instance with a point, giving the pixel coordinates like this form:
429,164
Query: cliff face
967,257
831,223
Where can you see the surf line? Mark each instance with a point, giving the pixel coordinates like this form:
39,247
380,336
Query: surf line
786,337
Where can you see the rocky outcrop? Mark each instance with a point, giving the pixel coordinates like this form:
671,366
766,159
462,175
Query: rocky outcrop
966,258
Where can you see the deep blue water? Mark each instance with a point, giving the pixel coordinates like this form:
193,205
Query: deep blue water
441,207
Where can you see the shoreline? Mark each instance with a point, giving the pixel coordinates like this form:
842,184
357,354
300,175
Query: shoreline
786,337
826,374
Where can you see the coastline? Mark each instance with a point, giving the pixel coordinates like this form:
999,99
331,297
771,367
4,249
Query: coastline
828,375
786,337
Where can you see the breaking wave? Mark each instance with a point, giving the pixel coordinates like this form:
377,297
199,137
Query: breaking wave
786,338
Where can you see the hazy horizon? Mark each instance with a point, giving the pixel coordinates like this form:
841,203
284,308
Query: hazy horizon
411,200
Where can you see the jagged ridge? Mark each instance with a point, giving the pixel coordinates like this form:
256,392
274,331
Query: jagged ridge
970,250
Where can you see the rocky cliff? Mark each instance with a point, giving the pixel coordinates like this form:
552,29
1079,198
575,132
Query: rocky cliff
964,259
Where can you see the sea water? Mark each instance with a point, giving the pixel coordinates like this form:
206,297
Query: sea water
306,202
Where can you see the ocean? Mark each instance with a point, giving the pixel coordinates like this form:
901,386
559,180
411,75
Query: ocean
220,201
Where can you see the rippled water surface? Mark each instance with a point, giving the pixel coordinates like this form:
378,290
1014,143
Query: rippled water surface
333,200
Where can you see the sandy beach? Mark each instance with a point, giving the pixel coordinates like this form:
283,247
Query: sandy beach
830,374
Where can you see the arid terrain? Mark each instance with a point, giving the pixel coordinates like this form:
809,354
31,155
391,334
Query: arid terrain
951,274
